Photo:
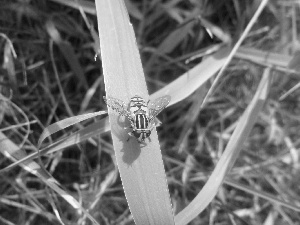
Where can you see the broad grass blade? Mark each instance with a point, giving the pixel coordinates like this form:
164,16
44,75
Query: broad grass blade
190,81
141,166
234,146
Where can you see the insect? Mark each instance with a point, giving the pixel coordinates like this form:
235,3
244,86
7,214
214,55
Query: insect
140,113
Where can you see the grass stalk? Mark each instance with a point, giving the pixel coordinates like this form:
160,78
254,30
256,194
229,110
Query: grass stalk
141,166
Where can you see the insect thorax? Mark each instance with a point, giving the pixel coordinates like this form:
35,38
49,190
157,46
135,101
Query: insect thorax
138,106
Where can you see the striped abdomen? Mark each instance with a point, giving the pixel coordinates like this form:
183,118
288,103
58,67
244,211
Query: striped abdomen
141,130
141,121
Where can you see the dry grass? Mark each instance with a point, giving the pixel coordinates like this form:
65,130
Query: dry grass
54,76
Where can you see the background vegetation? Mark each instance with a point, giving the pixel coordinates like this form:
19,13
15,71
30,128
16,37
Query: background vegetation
49,73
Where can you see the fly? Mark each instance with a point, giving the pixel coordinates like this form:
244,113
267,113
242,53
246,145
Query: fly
140,113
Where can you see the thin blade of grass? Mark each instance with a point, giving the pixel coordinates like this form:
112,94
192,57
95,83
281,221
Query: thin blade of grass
228,158
75,138
62,124
141,166
12,151
282,97
201,52
261,194
263,57
235,48
9,65
90,93
27,208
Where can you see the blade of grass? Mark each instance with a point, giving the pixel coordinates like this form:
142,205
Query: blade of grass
263,57
9,202
90,93
9,66
235,48
62,124
141,167
190,81
261,194
228,158
75,138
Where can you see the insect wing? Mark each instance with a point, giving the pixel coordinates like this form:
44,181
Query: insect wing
117,105
156,106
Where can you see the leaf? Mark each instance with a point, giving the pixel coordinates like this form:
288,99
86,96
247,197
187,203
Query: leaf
228,158
75,138
62,124
141,167
190,81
